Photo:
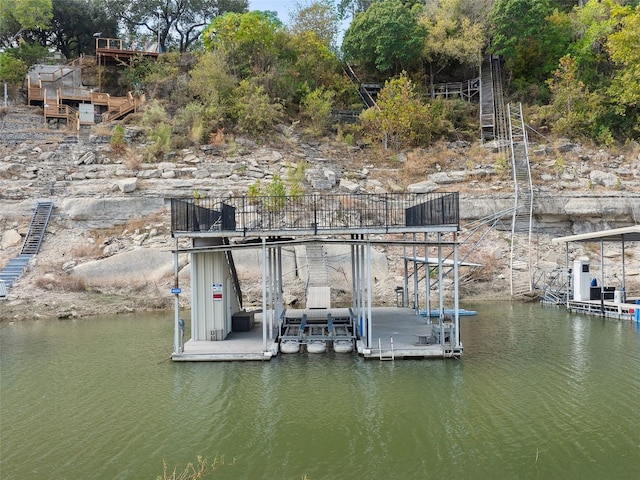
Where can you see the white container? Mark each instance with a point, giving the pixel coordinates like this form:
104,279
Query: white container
617,296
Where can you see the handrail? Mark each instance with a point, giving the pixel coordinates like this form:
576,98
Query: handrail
316,213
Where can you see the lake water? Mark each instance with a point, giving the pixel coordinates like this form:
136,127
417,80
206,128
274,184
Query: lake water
538,393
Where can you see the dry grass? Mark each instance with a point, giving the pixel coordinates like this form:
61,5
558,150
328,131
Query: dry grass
102,129
61,283
86,249
217,138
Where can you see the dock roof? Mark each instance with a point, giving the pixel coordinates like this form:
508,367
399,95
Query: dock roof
625,234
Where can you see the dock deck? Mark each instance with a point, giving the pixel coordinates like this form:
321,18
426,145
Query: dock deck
397,333
622,311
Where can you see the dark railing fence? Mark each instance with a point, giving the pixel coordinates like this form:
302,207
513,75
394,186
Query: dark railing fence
314,212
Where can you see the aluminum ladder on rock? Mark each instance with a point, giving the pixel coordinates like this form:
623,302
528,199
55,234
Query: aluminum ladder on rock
520,262
31,246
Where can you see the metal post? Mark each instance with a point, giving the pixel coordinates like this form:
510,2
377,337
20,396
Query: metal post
176,302
272,290
353,276
6,95
602,276
405,302
623,285
280,288
440,281
427,279
369,293
416,305
456,305
566,269
264,294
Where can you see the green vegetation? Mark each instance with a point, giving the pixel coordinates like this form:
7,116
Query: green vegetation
118,143
223,67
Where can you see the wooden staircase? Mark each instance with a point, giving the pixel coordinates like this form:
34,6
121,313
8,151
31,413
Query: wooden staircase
368,91
120,106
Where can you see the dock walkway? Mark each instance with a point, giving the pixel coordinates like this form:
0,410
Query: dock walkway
411,335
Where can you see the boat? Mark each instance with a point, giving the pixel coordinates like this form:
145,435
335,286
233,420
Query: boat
449,311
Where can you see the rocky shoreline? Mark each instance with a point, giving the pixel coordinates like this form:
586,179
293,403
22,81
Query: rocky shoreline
107,248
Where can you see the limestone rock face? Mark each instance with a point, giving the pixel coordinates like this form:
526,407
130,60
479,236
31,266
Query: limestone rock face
128,185
105,212
146,264
10,238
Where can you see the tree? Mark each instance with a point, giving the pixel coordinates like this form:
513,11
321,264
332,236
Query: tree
176,23
18,16
12,70
452,37
252,41
624,47
531,36
76,23
320,17
386,38
574,110
351,8
400,118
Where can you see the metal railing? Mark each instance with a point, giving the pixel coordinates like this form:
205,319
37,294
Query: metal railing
315,213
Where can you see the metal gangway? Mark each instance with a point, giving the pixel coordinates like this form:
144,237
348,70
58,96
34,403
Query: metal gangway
520,262
31,246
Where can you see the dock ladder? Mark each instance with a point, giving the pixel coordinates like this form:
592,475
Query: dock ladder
387,355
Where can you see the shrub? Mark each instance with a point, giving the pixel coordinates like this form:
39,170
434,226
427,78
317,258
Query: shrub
316,107
160,136
12,69
118,142
253,110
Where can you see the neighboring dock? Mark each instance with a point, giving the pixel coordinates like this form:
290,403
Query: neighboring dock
583,290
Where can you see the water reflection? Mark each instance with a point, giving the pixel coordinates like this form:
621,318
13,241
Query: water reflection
538,393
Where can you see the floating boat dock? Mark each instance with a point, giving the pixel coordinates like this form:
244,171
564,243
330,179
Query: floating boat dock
221,329
400,334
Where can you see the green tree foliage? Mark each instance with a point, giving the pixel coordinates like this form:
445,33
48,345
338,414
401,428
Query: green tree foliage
400,118
574,111
452,37
252,41
12,69
349,8
531,36
319,17
624,47
593,23
75,22
177,23
17,16
386,38
316,108
253,111
29,53
312,64
118,141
